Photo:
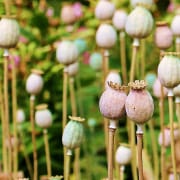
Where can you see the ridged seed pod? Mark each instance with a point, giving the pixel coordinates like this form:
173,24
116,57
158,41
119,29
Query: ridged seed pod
10,32
34,83
139,103
66,52
139,23
169,71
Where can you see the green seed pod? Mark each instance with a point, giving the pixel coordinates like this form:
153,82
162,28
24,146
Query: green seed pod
73,133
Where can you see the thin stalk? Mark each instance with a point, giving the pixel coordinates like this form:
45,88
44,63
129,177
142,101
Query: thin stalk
154,150
4,152
143,53
7,4
178,109
48,159
6,112
178,44
67,167
74,113
139,134
112,129
121,172
123,56
170,103
35,161
14,112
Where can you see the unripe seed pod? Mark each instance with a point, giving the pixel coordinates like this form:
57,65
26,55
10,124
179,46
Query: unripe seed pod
139,23
73,133
104,10
139,103
176,91
119,19
43,116
150,79
20,116
163,35
72,69
145,3
169,71
175,25
96,61
66,52
123,155
34,83
9,30
106,36
112,102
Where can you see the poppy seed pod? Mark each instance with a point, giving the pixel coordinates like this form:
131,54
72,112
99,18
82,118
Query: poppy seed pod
139,103
112,102
145,3
43,116
67,14
163,35
157,89
169,71
106,30
104,10
72,69
95,61
119,19
66,52
139,23
9,30
113,76
176,91
20,116
123,155
34,82
175,25
150,79
73,133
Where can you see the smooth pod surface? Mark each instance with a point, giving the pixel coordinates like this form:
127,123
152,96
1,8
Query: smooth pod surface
66,52
72,69
175,25
106,36
67,14
73,134
148,3
139,23
95,61
176,91
139,106
20,116
169,71
9,33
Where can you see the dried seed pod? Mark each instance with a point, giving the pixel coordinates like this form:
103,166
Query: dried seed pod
175,25
104,10
123,155
157,89
95,61
163,35
43,116
169,71
139,23
73,133
34,82
139,103
9,30
72,69
112,102
119,19
66,52
67,14
106,30
20,116
113,76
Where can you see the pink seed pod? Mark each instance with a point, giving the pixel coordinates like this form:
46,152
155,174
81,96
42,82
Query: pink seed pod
169,71
123,155
139,103
66,52
43,116
106,30
163,35
104,10
67,14
20,116
112,102
119,19
157,89
72,69
34,83
113,76
175,25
